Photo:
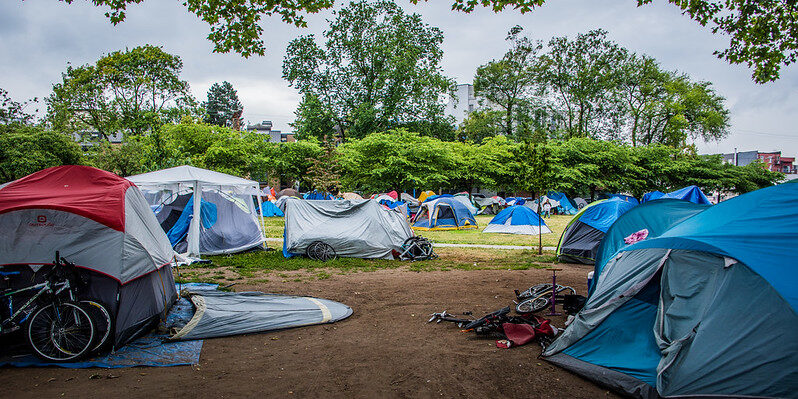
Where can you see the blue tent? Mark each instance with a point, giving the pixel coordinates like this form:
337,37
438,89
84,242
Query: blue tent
517,219
652,196
566,207
444,213
689,193
179,230
316,195
268,209
680,313
627,198
583,234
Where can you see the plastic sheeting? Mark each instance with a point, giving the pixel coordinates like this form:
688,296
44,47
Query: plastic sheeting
268,209
220,314
359,229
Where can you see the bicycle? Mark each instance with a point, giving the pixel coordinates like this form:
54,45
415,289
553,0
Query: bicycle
538,297
417,248
57,327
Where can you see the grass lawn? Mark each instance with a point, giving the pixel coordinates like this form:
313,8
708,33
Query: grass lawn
273,228
263,266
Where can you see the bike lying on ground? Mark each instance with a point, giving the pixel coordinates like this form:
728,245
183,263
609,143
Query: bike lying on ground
57,325
538,297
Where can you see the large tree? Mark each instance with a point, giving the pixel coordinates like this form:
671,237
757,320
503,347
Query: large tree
763,34
223,106
28,149
507,84
128,90
378,68
14,112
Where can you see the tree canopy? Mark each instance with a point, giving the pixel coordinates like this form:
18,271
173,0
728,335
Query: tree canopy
223,105
378,67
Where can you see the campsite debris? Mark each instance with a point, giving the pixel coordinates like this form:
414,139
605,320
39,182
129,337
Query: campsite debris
514,330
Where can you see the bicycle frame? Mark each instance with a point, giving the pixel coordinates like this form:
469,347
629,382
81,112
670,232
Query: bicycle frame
43,288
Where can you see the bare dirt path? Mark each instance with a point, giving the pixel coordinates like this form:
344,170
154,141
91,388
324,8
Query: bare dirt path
386,349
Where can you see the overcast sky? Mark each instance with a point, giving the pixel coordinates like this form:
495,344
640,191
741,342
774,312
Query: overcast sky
39,38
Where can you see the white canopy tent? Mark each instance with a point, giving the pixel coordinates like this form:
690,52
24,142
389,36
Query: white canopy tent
169,182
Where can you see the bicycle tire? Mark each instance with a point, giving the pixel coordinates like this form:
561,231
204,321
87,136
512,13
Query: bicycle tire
61,332
320,250
103,323
533,305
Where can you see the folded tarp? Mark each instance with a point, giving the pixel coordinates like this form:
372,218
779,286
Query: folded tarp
221,314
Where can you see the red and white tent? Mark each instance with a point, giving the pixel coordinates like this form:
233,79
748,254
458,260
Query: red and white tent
102,223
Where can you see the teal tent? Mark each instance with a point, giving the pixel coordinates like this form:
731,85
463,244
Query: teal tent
703,305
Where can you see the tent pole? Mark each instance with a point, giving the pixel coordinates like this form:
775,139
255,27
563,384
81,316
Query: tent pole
193,237
260,214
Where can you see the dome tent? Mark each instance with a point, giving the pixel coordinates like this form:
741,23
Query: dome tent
517,219
689,193
101,223
664,317
237,225
565,206
444,213
583,234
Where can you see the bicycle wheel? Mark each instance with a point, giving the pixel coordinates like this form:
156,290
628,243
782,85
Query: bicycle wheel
103,323
61,332
533,305
535,290
320,250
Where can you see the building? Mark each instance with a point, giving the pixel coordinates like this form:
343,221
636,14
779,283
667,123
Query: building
88,139
462,103
773,160
275,136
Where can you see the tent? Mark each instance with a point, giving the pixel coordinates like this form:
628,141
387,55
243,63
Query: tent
517,219
445,213
488,206
654,195
317,195
707,308
268,209
583,234
689,193
102,223
424,194
357,229
565,208
580,202
351,196
288,192
463,198
409,200
627,198
235,225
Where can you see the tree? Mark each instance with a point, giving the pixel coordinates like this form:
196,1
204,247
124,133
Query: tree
378,68
323,173
27,149
507,83
223,105
314,120
481,124
13,112
127,90
394,160
124,160
579,78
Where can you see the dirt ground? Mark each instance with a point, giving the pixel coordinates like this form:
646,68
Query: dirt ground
385,349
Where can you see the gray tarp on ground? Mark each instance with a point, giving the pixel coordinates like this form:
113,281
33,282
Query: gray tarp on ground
221,314
354,228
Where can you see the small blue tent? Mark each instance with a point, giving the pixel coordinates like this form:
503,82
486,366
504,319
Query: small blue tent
316,195
689,193
269,209
583,234
517,219
680,313
444,213
566,207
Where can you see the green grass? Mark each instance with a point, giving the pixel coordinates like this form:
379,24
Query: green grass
273,228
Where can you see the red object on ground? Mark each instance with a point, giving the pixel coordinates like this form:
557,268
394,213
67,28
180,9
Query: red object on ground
82,190
519,334
394,195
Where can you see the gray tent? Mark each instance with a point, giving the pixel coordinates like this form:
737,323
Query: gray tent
580,202
220,314
359,229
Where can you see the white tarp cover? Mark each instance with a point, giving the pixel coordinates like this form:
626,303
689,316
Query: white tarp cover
359,229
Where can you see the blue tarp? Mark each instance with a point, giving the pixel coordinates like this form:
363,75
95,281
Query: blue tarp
689,193
652,196
315,195
566,207
602,215
519,215
627,198
149,350
515,201
268,209
760,229
180,229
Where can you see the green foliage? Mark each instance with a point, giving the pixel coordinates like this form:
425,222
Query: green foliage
132,91
394,160
313,120
378,68
323,173
222,105
290,161
27,149
13,112
125,159
481,124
